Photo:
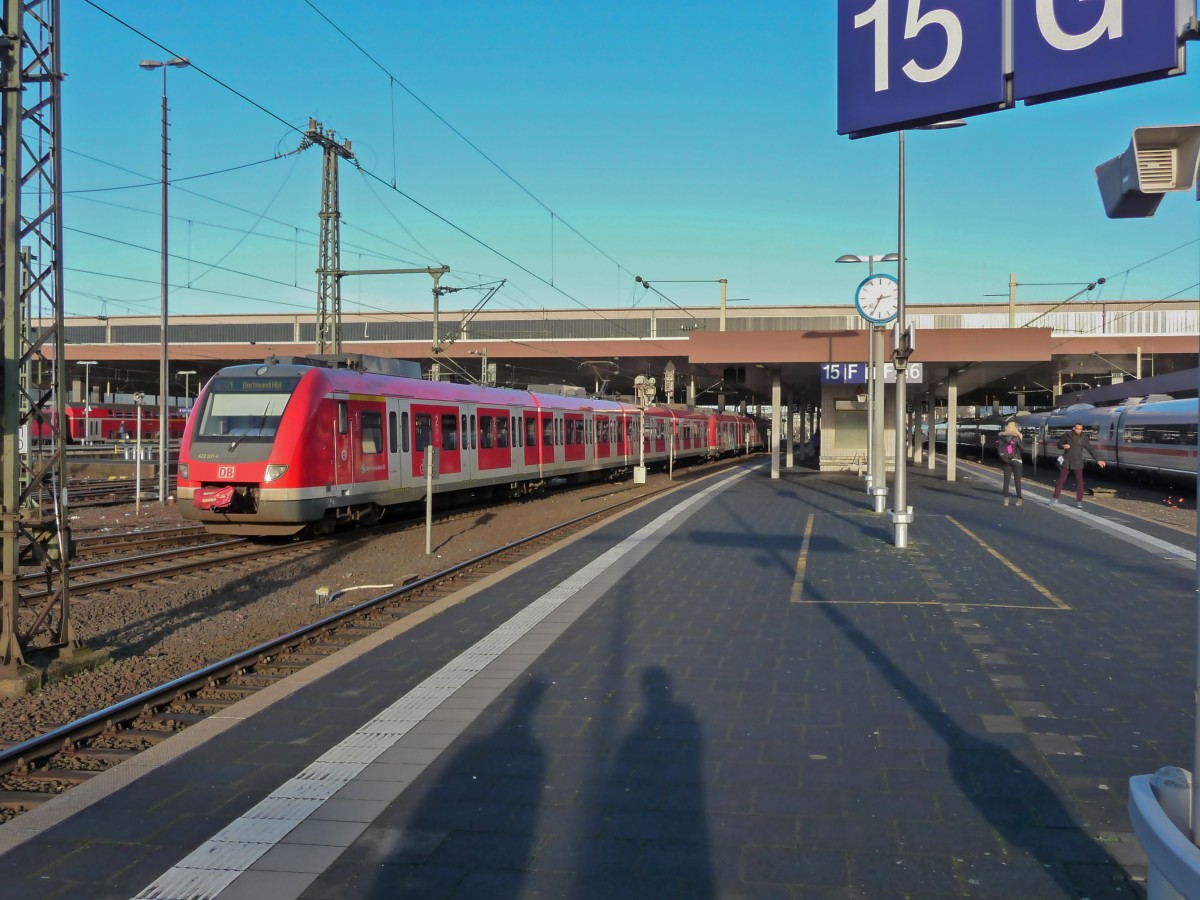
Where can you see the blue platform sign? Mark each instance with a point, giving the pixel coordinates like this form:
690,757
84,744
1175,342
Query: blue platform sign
1066,47
859,373
844,373
905,63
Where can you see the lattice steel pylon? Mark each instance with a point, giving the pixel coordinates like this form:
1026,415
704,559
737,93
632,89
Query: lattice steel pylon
329,268
31,283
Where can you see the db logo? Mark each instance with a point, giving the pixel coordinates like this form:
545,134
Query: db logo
224,471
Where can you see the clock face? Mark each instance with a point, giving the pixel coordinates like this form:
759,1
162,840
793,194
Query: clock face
878,299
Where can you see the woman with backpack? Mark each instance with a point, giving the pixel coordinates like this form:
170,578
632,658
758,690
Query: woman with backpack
1008,449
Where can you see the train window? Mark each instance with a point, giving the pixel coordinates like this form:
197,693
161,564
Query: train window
1161,434
516,433
404,431
247,408
450,432
502,432
570,432
579,431
530,431
423,432
392,431
372,433
487,426
548,432
343,417
466,431
472,432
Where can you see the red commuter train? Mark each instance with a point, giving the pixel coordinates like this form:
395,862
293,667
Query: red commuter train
108,422
273,448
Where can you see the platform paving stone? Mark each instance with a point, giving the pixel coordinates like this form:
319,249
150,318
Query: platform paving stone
924,723
874,760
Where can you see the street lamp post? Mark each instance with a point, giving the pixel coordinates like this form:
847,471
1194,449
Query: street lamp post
164,392
483,365
87,381
87,395
876,467
186,374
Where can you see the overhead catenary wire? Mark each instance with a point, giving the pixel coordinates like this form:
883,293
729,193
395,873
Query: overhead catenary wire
158,183
427,209
346,223
197,68
499,168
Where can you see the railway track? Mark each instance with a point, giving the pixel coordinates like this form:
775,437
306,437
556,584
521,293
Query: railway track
143,568
37,769
107,493
91,546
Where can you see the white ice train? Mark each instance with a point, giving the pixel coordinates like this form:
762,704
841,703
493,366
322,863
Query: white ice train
1156,437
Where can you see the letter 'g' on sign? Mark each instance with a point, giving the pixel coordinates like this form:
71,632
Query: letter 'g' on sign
1064,47
908,61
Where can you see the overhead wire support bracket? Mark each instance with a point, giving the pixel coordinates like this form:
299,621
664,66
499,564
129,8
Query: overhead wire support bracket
436,271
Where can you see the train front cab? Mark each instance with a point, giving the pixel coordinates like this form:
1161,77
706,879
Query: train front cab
229,455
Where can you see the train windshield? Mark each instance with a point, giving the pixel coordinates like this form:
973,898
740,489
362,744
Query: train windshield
244,408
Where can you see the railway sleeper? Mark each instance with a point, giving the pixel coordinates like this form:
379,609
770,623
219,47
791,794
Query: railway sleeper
138,735
111,755
214,704
254,681
177,719
23,801
59,776
296,662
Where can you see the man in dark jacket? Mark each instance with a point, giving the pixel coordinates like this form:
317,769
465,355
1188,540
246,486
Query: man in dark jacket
1072,444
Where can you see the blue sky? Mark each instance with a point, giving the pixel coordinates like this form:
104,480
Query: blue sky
683,142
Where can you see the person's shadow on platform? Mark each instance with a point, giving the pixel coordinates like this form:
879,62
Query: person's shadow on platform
1014,798
653,796
497,776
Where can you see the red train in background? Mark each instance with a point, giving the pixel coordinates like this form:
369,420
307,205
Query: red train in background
108,422
271,449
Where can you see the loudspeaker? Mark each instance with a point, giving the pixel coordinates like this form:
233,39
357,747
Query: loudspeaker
1160,159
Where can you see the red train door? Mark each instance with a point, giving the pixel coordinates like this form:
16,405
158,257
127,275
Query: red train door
439,426
574,448
533,440
603,445
343,456
495,446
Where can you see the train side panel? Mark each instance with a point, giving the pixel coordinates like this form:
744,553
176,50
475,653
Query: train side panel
270,449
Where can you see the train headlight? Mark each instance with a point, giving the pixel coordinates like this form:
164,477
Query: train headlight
274,473
183,471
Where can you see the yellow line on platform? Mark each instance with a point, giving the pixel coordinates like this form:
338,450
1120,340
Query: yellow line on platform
1045,592
944,603
802,562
